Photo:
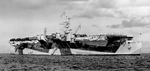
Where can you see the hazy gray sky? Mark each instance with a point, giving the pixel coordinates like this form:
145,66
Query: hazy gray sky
21,18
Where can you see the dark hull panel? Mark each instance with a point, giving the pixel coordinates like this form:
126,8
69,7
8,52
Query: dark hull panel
102,43
99,46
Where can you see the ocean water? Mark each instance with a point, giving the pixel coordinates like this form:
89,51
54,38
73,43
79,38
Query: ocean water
13,62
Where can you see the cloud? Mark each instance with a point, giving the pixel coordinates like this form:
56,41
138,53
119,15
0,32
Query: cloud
84,15
102,3
92,13
95,26
115,26
134,22
88,14
114,8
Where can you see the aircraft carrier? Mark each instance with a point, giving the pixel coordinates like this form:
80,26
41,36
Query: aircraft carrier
68,43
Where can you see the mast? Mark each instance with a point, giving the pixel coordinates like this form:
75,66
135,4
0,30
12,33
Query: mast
77,29
66,23
66,26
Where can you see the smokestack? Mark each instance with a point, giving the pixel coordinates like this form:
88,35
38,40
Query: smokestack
45,31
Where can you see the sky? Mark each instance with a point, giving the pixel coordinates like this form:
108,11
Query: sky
23,18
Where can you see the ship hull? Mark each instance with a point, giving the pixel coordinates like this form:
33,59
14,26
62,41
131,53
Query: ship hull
125,48
113,45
